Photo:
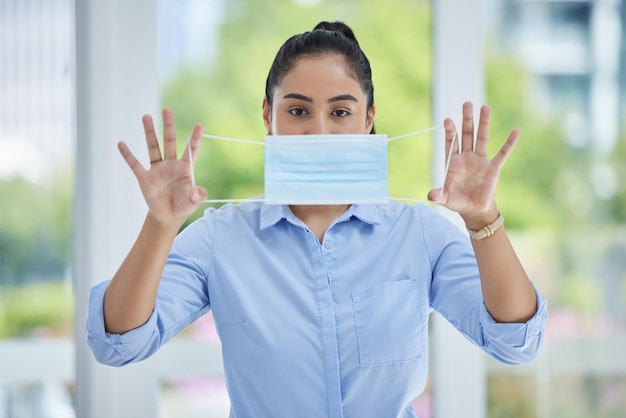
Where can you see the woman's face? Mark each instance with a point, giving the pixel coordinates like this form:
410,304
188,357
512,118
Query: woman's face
318,96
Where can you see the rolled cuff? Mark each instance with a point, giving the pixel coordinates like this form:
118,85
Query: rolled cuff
115,349
515,343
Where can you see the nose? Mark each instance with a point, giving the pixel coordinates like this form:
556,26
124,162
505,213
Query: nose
320,125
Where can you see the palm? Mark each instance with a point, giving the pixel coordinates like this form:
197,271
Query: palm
470,184
166,187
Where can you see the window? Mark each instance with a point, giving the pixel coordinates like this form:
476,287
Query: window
36,169
568,235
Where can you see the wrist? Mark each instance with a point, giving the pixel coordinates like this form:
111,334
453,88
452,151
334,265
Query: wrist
488,229
163,227
476,221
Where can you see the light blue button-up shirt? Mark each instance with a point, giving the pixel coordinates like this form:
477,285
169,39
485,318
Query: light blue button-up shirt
337,329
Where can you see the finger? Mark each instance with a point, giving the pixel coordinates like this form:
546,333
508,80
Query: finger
154,152
467,130
193,145
450,130
500,158
483,131
169,134
130,159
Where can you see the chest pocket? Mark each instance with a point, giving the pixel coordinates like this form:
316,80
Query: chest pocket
390,325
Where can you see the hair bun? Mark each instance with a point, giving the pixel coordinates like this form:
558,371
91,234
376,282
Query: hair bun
337,27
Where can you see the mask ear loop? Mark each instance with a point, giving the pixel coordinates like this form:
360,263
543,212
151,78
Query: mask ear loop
445,174
224,138
422,131
193,177
221,138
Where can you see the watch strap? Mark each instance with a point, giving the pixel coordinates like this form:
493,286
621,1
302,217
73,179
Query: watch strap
487,230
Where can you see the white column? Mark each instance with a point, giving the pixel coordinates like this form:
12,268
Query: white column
606,38
459,385
117,82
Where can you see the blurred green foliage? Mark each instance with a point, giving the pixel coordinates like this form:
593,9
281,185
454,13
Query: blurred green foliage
616,205
519,393
526,193
35,240
43,308
35,229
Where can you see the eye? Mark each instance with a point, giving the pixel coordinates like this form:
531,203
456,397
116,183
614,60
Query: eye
341,113
298,111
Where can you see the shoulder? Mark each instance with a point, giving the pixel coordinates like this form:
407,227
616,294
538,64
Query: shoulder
230,212
416,220
219,225
437,226
419,213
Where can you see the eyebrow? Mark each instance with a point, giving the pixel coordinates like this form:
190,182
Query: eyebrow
307,99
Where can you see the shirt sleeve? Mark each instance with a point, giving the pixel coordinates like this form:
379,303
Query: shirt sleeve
181,299
116,349
456,294
515,343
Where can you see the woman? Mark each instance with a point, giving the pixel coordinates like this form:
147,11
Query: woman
322,310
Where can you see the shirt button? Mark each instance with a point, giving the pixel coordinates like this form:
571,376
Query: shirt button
328,244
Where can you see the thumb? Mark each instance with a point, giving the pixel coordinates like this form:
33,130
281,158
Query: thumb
436,196
198,194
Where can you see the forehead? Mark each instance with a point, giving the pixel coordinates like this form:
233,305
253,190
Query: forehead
319,73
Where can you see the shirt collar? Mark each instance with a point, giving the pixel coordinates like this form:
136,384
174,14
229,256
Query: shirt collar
368,213
272,214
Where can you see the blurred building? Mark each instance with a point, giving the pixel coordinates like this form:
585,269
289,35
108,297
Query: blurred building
37,79
36,86
576,53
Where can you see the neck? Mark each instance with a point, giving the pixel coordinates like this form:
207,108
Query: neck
305,212
318,217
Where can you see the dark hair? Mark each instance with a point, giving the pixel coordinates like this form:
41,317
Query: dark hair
325,38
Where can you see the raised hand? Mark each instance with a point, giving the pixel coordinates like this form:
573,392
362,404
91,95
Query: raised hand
470,184
167,185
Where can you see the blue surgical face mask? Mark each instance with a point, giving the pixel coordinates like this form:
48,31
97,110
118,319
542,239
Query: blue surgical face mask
323,169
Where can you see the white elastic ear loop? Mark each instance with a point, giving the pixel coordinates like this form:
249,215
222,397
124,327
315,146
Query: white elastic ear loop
422,131
193,177
445,173
223,138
